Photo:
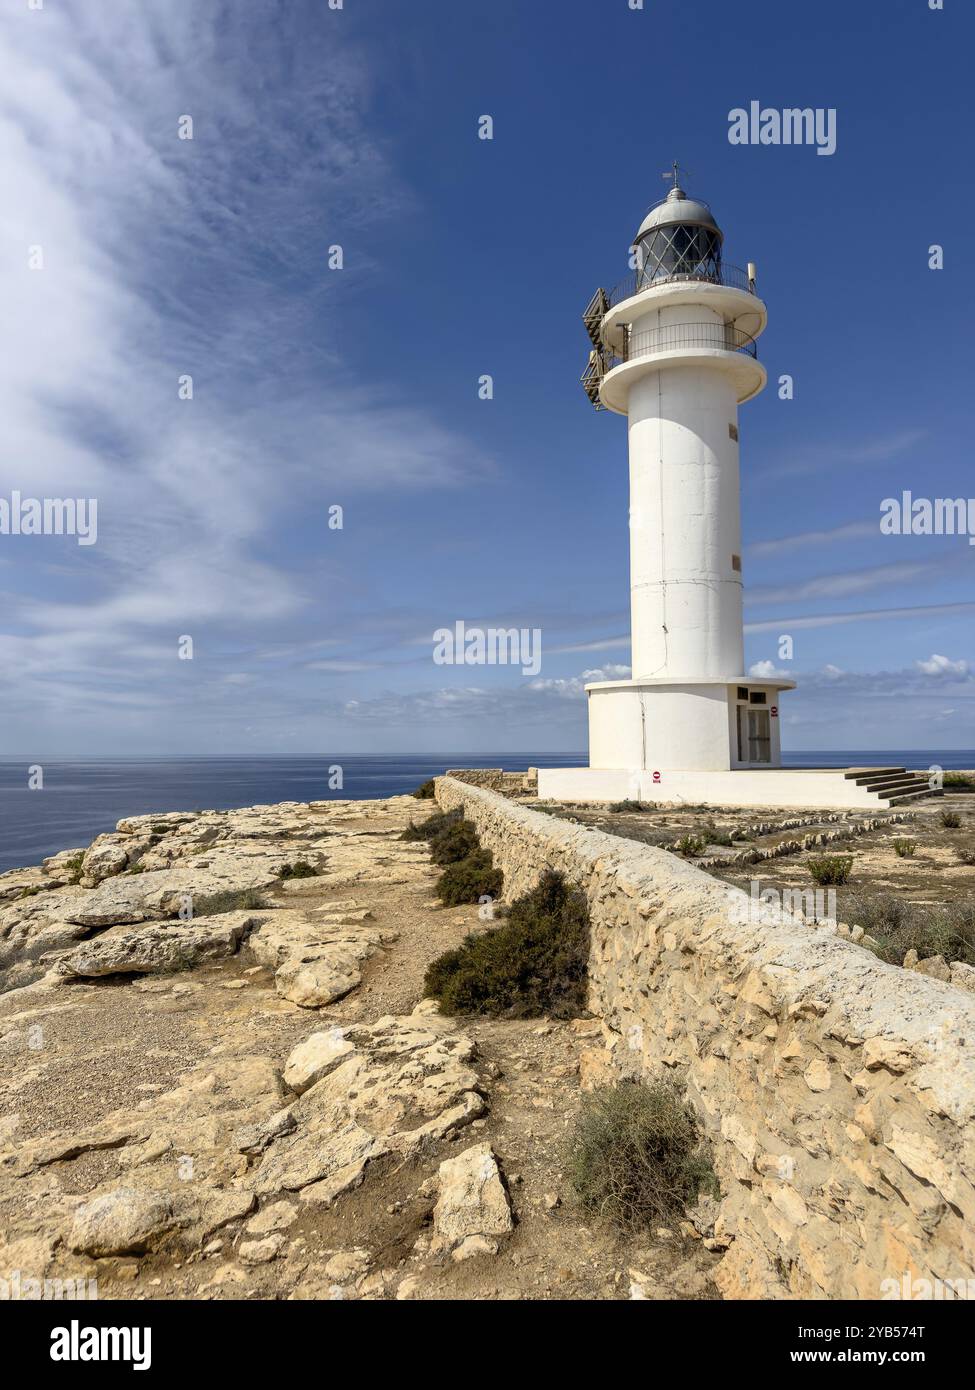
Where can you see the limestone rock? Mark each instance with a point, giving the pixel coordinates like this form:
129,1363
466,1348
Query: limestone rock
259,1252
935,967
315,1058
269,1220
123,1222
161,948
963,975
403,1083
472,1201
106,856
313,980
348,1265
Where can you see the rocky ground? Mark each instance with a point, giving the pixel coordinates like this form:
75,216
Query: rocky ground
218,1080
772,850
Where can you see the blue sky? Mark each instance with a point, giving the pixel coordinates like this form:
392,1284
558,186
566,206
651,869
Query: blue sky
358,387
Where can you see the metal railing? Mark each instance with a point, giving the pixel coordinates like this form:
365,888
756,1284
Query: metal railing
670,336
638,280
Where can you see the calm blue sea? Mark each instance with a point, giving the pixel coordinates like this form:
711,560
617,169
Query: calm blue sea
82,798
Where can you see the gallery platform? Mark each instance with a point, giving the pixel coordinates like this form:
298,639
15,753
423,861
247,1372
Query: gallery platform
813,788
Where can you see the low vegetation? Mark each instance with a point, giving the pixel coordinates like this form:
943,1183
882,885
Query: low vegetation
454,842
425,791
233,900
966,854
690,846
533,964
635,1157
469,880
623,806
898,927
951,820
904,849
299,869
958,779
431,827
831,868
73,868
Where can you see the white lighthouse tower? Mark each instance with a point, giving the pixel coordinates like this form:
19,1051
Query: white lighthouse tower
674,350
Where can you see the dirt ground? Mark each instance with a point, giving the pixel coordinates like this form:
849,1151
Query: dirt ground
932,876
113,1043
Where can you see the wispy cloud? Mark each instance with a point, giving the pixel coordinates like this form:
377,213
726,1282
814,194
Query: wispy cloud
831,454
805,540
162,258
928,610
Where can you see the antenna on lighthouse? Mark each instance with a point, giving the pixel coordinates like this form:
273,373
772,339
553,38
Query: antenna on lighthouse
674,173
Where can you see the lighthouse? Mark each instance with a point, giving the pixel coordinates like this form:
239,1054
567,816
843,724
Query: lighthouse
674,350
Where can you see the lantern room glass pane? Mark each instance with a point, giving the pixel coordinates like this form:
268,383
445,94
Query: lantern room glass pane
678,251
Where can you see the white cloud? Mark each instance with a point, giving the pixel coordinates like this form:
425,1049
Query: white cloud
164,257
942,666
767,670
572,687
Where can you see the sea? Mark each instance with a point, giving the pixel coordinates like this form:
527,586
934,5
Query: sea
84,797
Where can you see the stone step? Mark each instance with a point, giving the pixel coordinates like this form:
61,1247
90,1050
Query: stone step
863,776
909,782
899,798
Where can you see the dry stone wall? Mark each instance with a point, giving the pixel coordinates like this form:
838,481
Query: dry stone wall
838,1092
495,779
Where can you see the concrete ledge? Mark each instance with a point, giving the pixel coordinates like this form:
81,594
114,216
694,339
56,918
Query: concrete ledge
805,789
838,1092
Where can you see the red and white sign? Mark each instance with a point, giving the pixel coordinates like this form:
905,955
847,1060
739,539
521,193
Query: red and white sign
774,711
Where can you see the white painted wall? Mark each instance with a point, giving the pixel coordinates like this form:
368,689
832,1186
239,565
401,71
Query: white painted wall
685,597
679,726
778,787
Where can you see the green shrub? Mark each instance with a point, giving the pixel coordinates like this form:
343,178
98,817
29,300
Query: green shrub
299,869
534,963
73,867
831,868
635,1157
690,845
958,779
468,880
431,827
899,927
951,820
626,806
425,791
904,849
717,837
455,841
231,900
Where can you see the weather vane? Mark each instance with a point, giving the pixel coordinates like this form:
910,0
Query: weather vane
673,173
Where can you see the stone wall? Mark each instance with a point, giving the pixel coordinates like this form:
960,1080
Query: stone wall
495,779
838,1092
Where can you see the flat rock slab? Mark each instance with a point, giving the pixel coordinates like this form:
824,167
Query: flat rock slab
473,1201
161,947
397,1085
315,961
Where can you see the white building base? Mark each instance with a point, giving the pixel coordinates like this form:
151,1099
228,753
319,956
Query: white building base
800,789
